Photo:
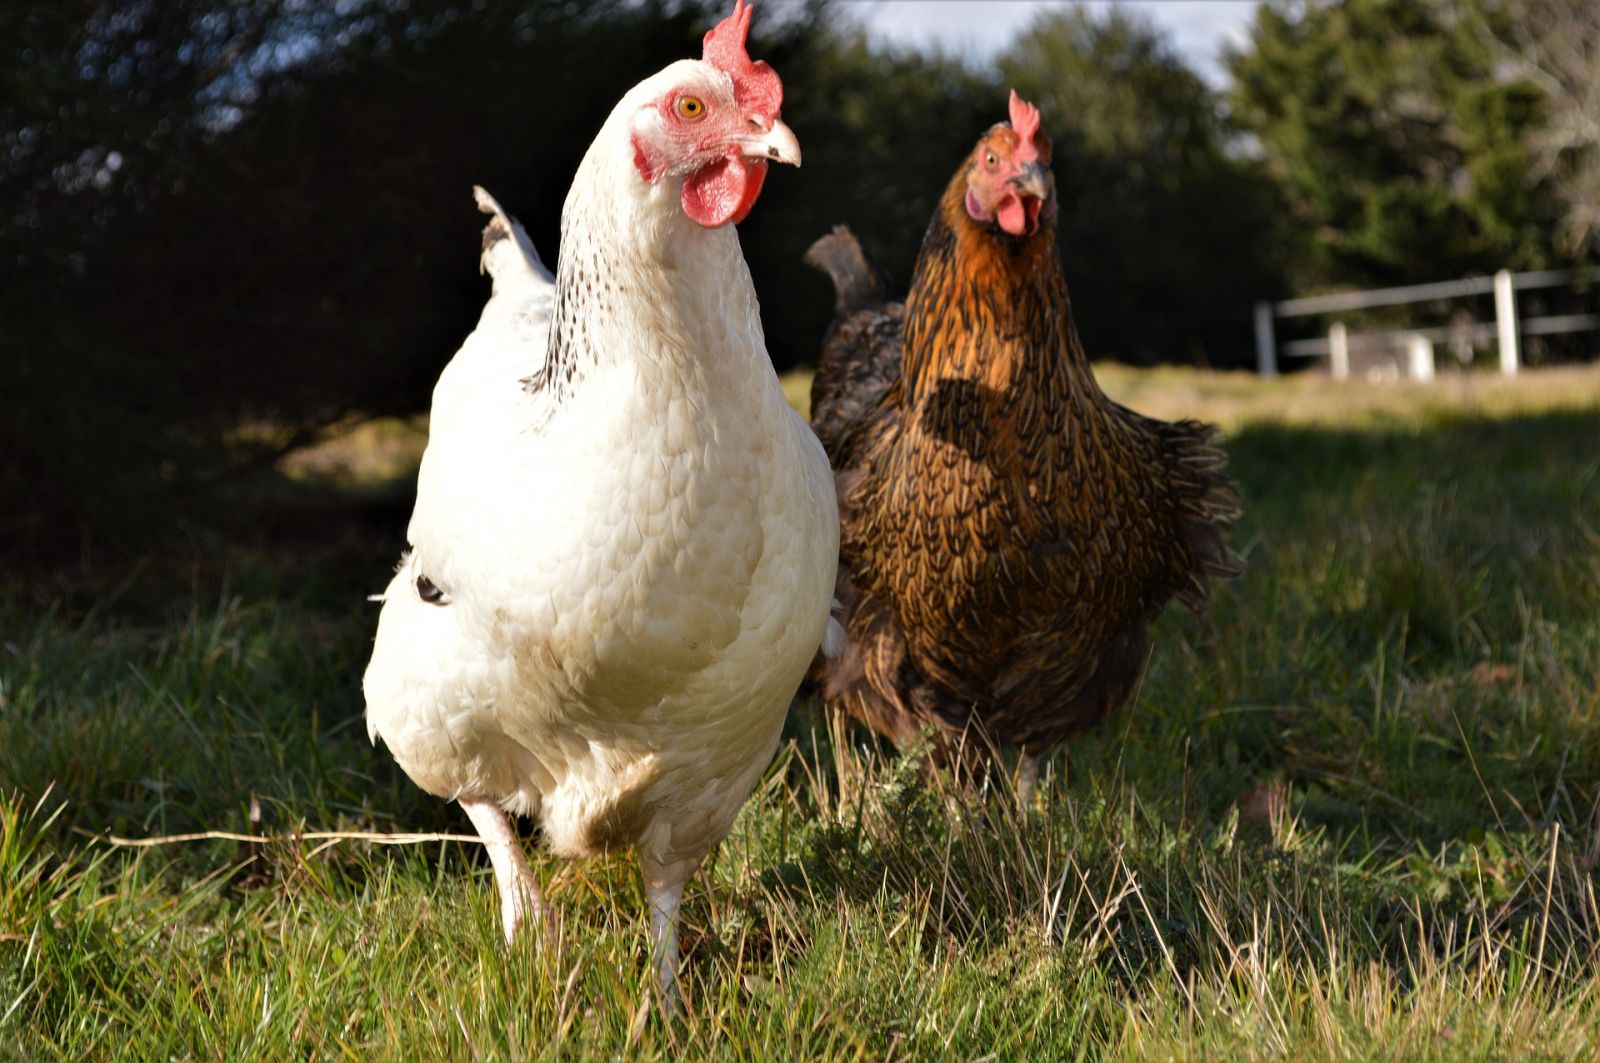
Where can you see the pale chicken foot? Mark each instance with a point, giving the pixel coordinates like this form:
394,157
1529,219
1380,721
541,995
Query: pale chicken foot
663,887
520,899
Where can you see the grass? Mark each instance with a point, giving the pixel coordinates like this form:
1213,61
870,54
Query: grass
1354,813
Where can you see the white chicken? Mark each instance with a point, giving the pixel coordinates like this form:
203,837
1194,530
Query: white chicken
623,548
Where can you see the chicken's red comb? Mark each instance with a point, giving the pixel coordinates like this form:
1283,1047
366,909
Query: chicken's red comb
756,85
1024,118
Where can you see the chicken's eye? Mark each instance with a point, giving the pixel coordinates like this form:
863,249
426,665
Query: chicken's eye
991,160
691,107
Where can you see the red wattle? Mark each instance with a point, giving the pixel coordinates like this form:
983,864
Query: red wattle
723,191
1012,216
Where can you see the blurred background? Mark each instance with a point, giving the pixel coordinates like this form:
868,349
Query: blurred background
230,231
1361,794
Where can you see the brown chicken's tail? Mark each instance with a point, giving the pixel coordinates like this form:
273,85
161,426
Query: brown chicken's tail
860,355
857,283
1208,505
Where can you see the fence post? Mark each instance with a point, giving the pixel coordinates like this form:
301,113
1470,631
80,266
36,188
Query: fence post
1339,351
1266,344
1505,321
1419,349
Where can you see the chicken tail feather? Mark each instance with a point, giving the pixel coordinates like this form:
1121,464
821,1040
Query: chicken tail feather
860,355
508,255
857,283
1209,504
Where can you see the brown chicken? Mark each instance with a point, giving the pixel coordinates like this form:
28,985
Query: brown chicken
1008,531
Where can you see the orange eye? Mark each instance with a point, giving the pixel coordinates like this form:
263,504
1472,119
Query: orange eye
691,108
991,160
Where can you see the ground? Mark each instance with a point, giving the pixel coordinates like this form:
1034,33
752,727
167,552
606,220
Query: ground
1354,812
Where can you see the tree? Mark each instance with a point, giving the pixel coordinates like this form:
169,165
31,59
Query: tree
103,107
882,130
224,225
1401,146
1555,46
1166,236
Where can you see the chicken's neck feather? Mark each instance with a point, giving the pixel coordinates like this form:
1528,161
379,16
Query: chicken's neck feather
992,310
637,281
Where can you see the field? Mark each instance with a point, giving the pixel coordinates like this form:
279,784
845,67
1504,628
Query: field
1353,814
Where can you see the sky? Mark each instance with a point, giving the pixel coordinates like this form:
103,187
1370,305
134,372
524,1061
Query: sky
1199,28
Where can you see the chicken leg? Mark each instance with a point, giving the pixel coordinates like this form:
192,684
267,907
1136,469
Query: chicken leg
520,898
663,887
1027,779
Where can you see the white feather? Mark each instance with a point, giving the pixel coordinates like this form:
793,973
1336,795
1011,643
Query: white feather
834,637
639,570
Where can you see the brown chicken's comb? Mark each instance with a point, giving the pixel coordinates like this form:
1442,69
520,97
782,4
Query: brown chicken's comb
756,85
1024,119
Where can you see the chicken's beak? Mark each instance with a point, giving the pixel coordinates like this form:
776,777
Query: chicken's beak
1033,180
769,140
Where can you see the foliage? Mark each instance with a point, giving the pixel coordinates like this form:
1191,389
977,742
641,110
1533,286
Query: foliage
1555,45
1352,815
1403,151
225,226
103,110
1167,237
881,131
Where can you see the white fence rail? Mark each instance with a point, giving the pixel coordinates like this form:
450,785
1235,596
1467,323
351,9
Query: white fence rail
1418,343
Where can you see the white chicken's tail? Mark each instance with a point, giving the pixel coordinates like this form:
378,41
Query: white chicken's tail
508,255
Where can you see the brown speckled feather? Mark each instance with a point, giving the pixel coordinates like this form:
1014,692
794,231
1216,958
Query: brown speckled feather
861,352
1009,532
